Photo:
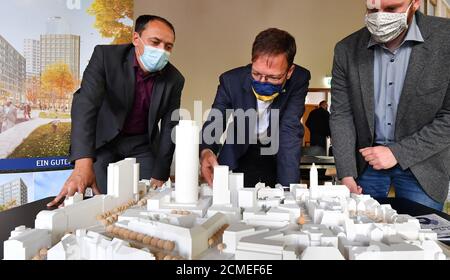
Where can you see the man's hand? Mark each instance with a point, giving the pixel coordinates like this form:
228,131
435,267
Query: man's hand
82,177
207,161
352,185
155,183
379,157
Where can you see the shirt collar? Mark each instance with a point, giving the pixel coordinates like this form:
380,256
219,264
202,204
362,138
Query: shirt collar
413,35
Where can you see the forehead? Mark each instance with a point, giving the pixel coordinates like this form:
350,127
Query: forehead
273,63
159,29
378,4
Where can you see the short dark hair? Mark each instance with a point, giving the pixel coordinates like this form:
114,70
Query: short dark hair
322,102
274,41
141,23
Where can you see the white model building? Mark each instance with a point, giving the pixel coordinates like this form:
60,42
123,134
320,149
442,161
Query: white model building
319,222
89,245
123,178
24,243
225,192
221,191
186,162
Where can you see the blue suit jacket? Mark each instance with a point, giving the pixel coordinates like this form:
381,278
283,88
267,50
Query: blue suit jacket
235,92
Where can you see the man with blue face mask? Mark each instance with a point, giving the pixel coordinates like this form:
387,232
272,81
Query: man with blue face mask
271,91
390,109
126,91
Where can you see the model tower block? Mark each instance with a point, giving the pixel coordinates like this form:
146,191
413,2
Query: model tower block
186,162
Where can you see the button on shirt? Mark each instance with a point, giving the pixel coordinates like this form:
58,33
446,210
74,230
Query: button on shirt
137,120
389,76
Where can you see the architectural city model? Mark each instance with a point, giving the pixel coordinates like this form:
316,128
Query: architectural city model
226,221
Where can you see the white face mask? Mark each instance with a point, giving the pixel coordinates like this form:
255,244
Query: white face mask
386,27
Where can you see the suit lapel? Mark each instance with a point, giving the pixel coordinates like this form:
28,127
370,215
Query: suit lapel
366,75
415,70
130,80
249,98
279,101
158,90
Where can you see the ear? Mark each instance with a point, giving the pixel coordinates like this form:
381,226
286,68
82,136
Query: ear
416,5
290,71
135,39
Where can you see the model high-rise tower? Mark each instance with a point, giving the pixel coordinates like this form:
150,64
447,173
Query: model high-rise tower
313,176
186,162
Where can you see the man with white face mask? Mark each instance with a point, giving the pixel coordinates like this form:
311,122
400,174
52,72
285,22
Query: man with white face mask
126,91
390,109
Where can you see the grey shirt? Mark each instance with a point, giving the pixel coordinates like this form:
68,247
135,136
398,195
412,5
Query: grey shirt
389,76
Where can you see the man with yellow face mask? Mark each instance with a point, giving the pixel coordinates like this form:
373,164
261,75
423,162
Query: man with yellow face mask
266,99
390,109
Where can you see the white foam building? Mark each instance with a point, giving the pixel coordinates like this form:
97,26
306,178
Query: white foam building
190,237
90,245
186,194
319,222
221,191
186,162
25,243
123,178
225,192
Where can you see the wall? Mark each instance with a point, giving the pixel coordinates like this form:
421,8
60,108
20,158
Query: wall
214,36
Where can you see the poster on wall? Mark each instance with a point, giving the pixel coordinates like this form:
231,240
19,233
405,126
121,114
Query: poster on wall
45,47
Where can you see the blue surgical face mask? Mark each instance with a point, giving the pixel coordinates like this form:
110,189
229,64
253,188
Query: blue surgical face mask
266,91
154,59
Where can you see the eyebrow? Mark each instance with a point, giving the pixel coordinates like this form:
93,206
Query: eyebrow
161,40
272,76
391,6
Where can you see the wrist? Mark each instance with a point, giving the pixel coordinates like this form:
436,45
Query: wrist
84,163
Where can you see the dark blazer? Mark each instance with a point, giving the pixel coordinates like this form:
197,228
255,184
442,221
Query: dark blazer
235,92
422,136
105,98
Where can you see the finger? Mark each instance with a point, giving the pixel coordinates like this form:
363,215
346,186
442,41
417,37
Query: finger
81,189
58,198
205,170
377,167
359,190
209,177
71,190
367,152
364,149
213,161
95,189
154,184
369,158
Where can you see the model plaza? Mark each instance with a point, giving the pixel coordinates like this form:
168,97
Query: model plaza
226,222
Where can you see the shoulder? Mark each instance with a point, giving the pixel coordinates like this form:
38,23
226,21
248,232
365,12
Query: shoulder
353,40
438,27
114,49
300,74
237,73
173,73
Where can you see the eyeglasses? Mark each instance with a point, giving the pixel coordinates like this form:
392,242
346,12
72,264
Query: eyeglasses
268,78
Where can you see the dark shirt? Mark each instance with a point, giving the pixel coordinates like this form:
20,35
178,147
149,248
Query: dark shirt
137,120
